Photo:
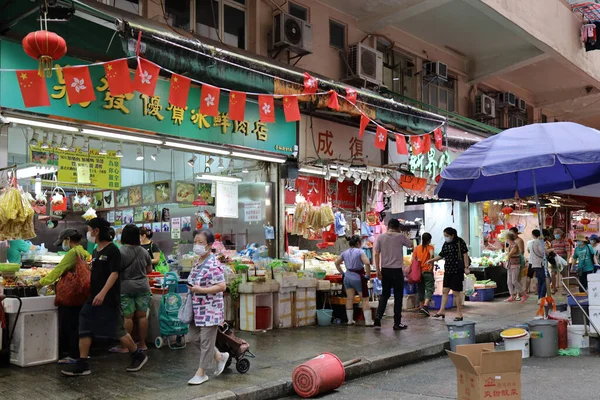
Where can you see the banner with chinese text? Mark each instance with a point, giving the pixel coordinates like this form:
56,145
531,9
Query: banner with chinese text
152,114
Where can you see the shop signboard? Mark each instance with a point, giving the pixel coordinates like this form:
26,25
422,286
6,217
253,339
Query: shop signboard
413,183
317,191
227,200
328,140
80,168
151,114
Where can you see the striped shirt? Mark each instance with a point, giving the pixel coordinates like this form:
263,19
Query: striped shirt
561,247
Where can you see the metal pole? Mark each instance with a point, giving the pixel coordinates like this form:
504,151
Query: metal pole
545,259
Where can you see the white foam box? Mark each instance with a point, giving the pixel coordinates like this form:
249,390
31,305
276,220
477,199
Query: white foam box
594,290
286,279
284,302
35,341
594,312
410,302
306,306
41,303
323,285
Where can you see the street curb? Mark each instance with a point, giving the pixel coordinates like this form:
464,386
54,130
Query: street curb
368,366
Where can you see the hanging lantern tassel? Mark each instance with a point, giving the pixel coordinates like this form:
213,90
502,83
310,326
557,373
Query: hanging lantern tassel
585,222
46,47
507,211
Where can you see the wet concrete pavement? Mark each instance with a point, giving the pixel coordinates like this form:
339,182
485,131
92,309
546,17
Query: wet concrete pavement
278,352
558,378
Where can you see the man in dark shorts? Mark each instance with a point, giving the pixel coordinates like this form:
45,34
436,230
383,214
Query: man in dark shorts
101,316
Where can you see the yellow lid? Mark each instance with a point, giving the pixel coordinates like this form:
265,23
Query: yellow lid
513,333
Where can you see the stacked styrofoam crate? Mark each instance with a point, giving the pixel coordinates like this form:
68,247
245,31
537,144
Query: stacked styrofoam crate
284,300
306,302
594,298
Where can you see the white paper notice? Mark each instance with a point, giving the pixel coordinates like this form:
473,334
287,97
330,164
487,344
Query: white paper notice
253,211
227,200
175,228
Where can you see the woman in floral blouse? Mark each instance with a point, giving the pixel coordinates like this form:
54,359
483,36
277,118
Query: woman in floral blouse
207,284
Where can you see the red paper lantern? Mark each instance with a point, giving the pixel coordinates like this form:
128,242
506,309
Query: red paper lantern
45,47
533,210
585,221
507,211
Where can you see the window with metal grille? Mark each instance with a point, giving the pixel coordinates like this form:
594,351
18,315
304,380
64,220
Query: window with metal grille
337,35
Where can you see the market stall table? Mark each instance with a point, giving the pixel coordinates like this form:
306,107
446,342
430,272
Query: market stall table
497,274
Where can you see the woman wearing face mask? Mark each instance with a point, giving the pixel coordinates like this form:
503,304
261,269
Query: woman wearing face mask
68,317
207,284
586,259
456,256
560,246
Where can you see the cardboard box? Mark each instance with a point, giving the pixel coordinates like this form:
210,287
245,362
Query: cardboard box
482,373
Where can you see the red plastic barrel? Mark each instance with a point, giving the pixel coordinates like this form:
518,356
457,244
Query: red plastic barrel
563,339
263,317
320,375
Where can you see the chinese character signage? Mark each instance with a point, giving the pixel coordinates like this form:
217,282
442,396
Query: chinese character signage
227,200
81,168
252,211
330,140
153,114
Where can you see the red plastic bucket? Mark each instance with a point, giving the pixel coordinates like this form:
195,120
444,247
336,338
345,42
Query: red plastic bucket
263,317
563,338
320,375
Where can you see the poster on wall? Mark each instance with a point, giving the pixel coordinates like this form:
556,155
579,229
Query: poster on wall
135,195
252,211
184,192
162,192
122,197
175,228
186,224
227,200
149,194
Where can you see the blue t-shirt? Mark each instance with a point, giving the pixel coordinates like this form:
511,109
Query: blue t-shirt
355,268
585,257
16,247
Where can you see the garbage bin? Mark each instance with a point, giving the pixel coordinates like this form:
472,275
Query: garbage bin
544,337
460,332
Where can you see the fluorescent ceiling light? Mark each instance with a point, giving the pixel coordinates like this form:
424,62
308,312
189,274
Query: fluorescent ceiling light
221,178
30,170
42,124
200,149
119,136
317,171
257,157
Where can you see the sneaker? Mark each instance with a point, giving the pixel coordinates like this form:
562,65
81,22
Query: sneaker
221,364
351,323
198,380
425,311
80,368
400,327
67,361
138,360
524,298
377,323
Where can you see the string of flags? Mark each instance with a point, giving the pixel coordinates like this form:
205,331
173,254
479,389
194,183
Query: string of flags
79,89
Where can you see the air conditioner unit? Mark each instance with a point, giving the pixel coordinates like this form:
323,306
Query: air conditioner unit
436,70
521,105
485,106
291,33
507,99
365,63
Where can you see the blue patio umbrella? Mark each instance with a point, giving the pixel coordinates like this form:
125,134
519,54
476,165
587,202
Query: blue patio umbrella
520,161
523,162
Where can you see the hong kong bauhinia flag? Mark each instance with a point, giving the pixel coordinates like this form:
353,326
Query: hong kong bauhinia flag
266,108
237,106
401,145
332,102
291,109
426,143
179,90
351,95
417,145
79,85
117,75
209,100
381,137
33,88
310,84
364,121
438,137
146,77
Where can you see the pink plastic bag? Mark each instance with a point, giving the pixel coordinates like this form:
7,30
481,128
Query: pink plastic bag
415,272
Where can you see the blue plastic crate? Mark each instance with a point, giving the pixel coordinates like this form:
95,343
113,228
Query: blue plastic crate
436,302
482,295
581,298
409,288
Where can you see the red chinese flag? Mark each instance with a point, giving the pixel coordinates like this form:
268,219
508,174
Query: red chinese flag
180,88
237,106
117,75
364,121
209,100
33,88
401,145
351,95
79,84
381,138
146,77
291,109
266,108
438,137
310,84
332,102
426,143
417,145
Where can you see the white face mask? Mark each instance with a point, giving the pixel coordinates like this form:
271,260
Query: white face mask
90,238
447,239
199,249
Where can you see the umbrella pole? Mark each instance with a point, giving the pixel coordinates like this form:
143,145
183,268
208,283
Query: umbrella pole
545,262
